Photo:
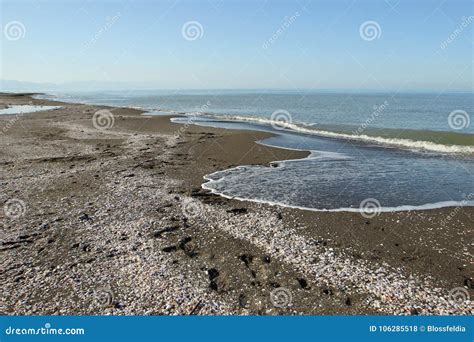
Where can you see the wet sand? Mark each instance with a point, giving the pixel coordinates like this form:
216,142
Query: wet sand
115,221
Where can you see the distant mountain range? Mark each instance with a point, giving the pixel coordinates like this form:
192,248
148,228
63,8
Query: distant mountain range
23,86
39,87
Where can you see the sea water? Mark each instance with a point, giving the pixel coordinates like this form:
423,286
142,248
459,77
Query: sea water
393,151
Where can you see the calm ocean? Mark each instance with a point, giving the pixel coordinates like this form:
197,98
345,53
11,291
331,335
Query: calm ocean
393,151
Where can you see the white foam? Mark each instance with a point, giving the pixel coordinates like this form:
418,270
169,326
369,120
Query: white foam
395,142
405,207
306,129
314,154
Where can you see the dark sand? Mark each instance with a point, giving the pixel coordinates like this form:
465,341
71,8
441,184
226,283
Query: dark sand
106,216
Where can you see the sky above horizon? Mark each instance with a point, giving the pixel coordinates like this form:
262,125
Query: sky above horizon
385,45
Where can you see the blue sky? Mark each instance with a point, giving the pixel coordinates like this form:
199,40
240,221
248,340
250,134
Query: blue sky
141,43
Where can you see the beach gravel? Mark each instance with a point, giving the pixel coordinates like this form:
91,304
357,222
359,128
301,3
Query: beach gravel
115,221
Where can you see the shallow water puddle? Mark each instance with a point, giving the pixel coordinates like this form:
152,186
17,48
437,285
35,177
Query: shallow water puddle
23,109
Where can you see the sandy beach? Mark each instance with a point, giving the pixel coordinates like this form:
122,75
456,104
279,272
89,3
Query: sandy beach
114,221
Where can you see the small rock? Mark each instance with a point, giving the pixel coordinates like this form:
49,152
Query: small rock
169,249
84,217
247,259
183,242
327,291
213,285
212,273
242,300
303,283
159,233
237,211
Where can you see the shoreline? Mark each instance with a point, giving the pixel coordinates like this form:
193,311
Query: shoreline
427,206
438,141
227,258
